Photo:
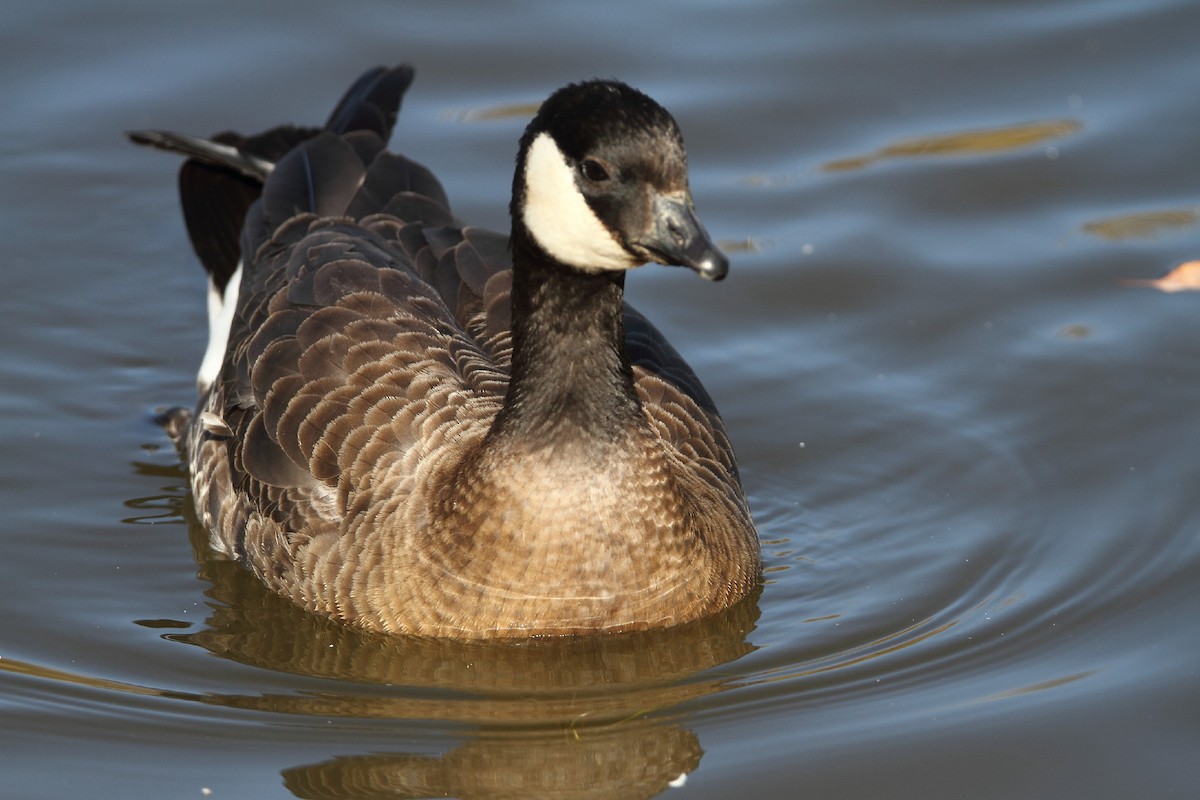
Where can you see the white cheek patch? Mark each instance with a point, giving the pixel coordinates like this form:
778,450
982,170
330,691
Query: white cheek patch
559,218
220,318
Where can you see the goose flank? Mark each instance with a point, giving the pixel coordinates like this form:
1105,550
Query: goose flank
421,427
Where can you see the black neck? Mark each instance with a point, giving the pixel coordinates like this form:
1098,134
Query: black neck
571,376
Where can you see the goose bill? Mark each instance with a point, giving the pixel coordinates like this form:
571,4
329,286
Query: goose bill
679,239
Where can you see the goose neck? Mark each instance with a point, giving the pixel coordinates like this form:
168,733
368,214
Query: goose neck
570,371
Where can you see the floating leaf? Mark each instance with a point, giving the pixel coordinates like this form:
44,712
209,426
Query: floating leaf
1184,278
511,111
1076,330
984,140
1145,225
740,245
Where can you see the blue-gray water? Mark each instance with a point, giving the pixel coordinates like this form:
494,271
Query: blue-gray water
973,454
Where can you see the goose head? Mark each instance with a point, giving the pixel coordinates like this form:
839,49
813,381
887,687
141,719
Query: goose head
601,184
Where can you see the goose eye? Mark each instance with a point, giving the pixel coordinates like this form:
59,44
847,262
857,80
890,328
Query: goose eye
593,170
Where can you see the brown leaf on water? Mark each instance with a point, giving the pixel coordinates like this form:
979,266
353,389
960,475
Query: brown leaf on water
1145,225
741,245
1184,278
983,140
490,113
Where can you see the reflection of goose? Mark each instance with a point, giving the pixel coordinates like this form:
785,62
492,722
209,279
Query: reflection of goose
636,760
384,437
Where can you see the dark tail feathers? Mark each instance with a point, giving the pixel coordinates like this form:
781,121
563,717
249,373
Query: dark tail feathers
223,176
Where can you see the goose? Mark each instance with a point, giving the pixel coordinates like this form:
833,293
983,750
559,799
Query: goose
420,427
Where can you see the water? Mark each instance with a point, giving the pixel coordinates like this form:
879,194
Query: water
970,450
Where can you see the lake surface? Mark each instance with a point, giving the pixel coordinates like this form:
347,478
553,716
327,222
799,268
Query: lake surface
973,452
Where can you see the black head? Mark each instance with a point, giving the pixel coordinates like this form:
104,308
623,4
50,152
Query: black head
601,183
